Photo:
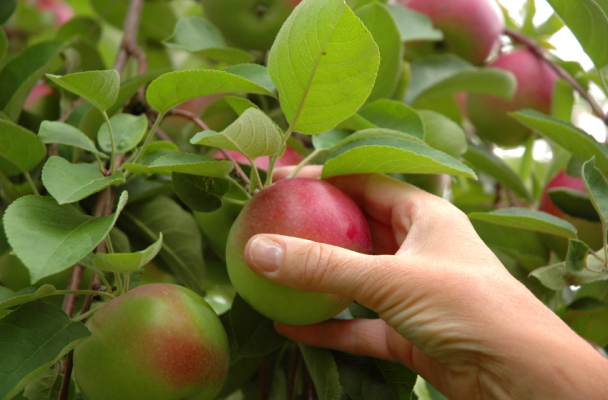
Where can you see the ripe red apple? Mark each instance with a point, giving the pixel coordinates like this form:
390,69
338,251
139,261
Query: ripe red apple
156,342
589,232
299,207
249,24
471,28
290,157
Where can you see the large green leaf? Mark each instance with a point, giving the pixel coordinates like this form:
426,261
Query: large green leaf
324,63
587,20
574,203
523,218
253,134
323,371
200,193
59,132
62,234
597,187
413,25
447,74
69,183
22,73
391,155
173,88
580,144
127,262
100,88
26,295
255,73
20,149
394,115
443,134
186,163
34,337
380,22
128,131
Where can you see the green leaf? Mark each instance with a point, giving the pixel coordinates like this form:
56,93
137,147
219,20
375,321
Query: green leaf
253,134
255,73
198,35
574,203
443,134
58,132
182,252
447,74
588,22
100,88
20,149
557,276
580,144
400,378
3,44
413,25
240,104
186,163
34,337
316,95
69,183
7,8
381,24
173,88
62,234
27,295
328,140
394,115
22,73
46,386
85,27
128,131
488,163
127,262
562,102
323,371
576,258
254,334
523,218
597,187
550,27
200,193
391,155
356,123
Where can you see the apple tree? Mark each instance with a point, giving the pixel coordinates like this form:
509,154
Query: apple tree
138,141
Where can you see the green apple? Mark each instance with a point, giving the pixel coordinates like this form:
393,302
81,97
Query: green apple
156,342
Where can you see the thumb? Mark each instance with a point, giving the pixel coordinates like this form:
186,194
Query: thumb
307,265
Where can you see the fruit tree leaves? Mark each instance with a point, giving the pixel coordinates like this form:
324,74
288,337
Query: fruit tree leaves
323,371
253,134
588,22
198,35
100,88
576,258
447,74
394,115
413,25
557,276
400,378
20,149
3,44
381,24
22,73
574,203
391,155
127,262
128,131
26,295
59,132
7,8
597,187
46,386
256,73
34,337
62,234
69,183
490,164
443,134
328,140
254,333
186,163
200,193
240,104
523,218
580,144
173,88
324,63
181,252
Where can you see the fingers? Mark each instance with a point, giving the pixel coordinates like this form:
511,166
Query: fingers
309,171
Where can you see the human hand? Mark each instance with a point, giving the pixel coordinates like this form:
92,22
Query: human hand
449,309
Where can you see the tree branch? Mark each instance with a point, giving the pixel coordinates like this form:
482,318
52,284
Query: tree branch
191,116
128,45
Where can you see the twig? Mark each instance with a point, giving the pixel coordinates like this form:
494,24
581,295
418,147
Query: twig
65,384
75,105
128,45
542,52
70,300
162,135
191,116
237,168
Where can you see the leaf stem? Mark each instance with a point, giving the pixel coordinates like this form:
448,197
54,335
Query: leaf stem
257,174
119,284
28,177
9,194
88,313
142,149
233,201
113,155
127,282
87,292
305,161
239,186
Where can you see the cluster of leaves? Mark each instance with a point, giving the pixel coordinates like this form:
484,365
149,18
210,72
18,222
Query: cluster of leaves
347,84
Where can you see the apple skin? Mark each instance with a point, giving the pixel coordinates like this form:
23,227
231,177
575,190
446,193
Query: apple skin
535,82
589,232
471,28
298,207
156,342
249,24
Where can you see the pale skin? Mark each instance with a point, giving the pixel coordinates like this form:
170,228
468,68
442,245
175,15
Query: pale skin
449,309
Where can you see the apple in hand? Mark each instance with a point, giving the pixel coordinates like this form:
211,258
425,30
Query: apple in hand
249,24
299,207
156,342
535,82
471,28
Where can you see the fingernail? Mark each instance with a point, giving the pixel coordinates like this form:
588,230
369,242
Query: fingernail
266,254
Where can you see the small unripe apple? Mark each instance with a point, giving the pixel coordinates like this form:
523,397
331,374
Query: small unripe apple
304,208
156,342
589,232
471,28
249,24
535,82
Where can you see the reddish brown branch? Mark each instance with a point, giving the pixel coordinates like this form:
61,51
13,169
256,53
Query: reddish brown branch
191,116
237,168
69,300
128,45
